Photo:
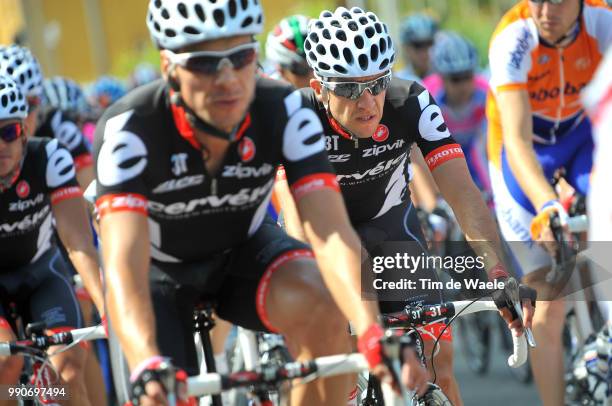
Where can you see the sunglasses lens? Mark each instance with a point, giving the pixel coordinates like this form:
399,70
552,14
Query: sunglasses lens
210,64
10,132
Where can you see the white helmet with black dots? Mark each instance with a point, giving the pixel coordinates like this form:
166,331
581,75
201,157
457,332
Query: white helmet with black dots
176,24
13,104
19,63
349,43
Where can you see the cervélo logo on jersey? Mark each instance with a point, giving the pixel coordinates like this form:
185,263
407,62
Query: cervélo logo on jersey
243,198
381,167
26,223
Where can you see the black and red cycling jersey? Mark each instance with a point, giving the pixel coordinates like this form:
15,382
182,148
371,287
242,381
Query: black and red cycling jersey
373,172
149,161
57,125
47,177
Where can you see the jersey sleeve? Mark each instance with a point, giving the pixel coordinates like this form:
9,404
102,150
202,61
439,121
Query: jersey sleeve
120,161
433,136
60,174
70,135
303,148
510,54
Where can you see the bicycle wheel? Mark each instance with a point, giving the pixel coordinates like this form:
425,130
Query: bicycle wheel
474,332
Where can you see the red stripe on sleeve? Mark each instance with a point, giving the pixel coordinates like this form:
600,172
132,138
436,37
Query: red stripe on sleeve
65,194
443,154
83,161
313,183
121,202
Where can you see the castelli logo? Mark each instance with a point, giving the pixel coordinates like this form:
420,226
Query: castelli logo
246,149
23,189
381,134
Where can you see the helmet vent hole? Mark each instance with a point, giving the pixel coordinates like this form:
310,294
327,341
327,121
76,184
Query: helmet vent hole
372,17
191,30
326,34
323,65
374,52
233,8
348,56
359,42
165,14
346,15
383,46
335,23
341,35
321,49
170,33
384,64
157,3
246,22
307,45
314,38
319,25
363,21
363,62
326,14
200,12
182,9
369,32
353,26
333,49
244,4
219,17
340,69
157,27
378,27
259,19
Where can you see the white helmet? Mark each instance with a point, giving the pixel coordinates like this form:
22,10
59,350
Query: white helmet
174,24
454,54
19,63
349,44
64,94
12,102
285,43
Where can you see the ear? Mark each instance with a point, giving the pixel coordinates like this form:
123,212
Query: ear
164,64
318,89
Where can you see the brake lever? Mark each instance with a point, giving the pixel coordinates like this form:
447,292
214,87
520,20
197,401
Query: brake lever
512,291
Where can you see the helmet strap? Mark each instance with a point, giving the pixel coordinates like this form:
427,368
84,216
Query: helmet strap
335,124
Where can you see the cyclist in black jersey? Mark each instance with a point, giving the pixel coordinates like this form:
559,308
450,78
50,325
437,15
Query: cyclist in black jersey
371,122
38,186
46,121
189,162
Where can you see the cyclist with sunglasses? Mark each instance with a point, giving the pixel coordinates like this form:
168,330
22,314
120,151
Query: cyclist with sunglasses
285,48
185,169
461,94
20,64
38,188
417,34
371,122
541,56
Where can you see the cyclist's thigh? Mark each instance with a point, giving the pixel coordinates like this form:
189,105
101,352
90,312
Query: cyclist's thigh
514,214
53,299
242,298
398,232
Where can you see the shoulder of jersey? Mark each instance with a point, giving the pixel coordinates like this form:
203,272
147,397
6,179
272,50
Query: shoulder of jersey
269,90
37,144
597,3
518,13
401,90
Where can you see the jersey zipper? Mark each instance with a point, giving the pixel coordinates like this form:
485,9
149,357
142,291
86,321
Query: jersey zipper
561,96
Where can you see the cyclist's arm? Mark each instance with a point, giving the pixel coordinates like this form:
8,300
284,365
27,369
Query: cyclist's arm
424,190
459,190
125,252
85,175
337,249
72,224
515,111
291,218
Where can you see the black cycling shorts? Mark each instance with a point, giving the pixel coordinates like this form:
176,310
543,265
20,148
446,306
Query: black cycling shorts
41,291
398,231
236,281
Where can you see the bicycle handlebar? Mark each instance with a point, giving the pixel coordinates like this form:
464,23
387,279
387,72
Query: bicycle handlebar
41,343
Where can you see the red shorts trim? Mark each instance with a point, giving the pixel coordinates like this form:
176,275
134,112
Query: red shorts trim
435,329
314,182
261,293
443,154
83,161
121,202
65,194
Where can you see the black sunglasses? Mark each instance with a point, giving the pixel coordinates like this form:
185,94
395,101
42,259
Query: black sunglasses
11,132
354,90
421,44
549,1
210,62
459,78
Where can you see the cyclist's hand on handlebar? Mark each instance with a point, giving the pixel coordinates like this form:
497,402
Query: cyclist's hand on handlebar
541,230
413,375
156,382
510,296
